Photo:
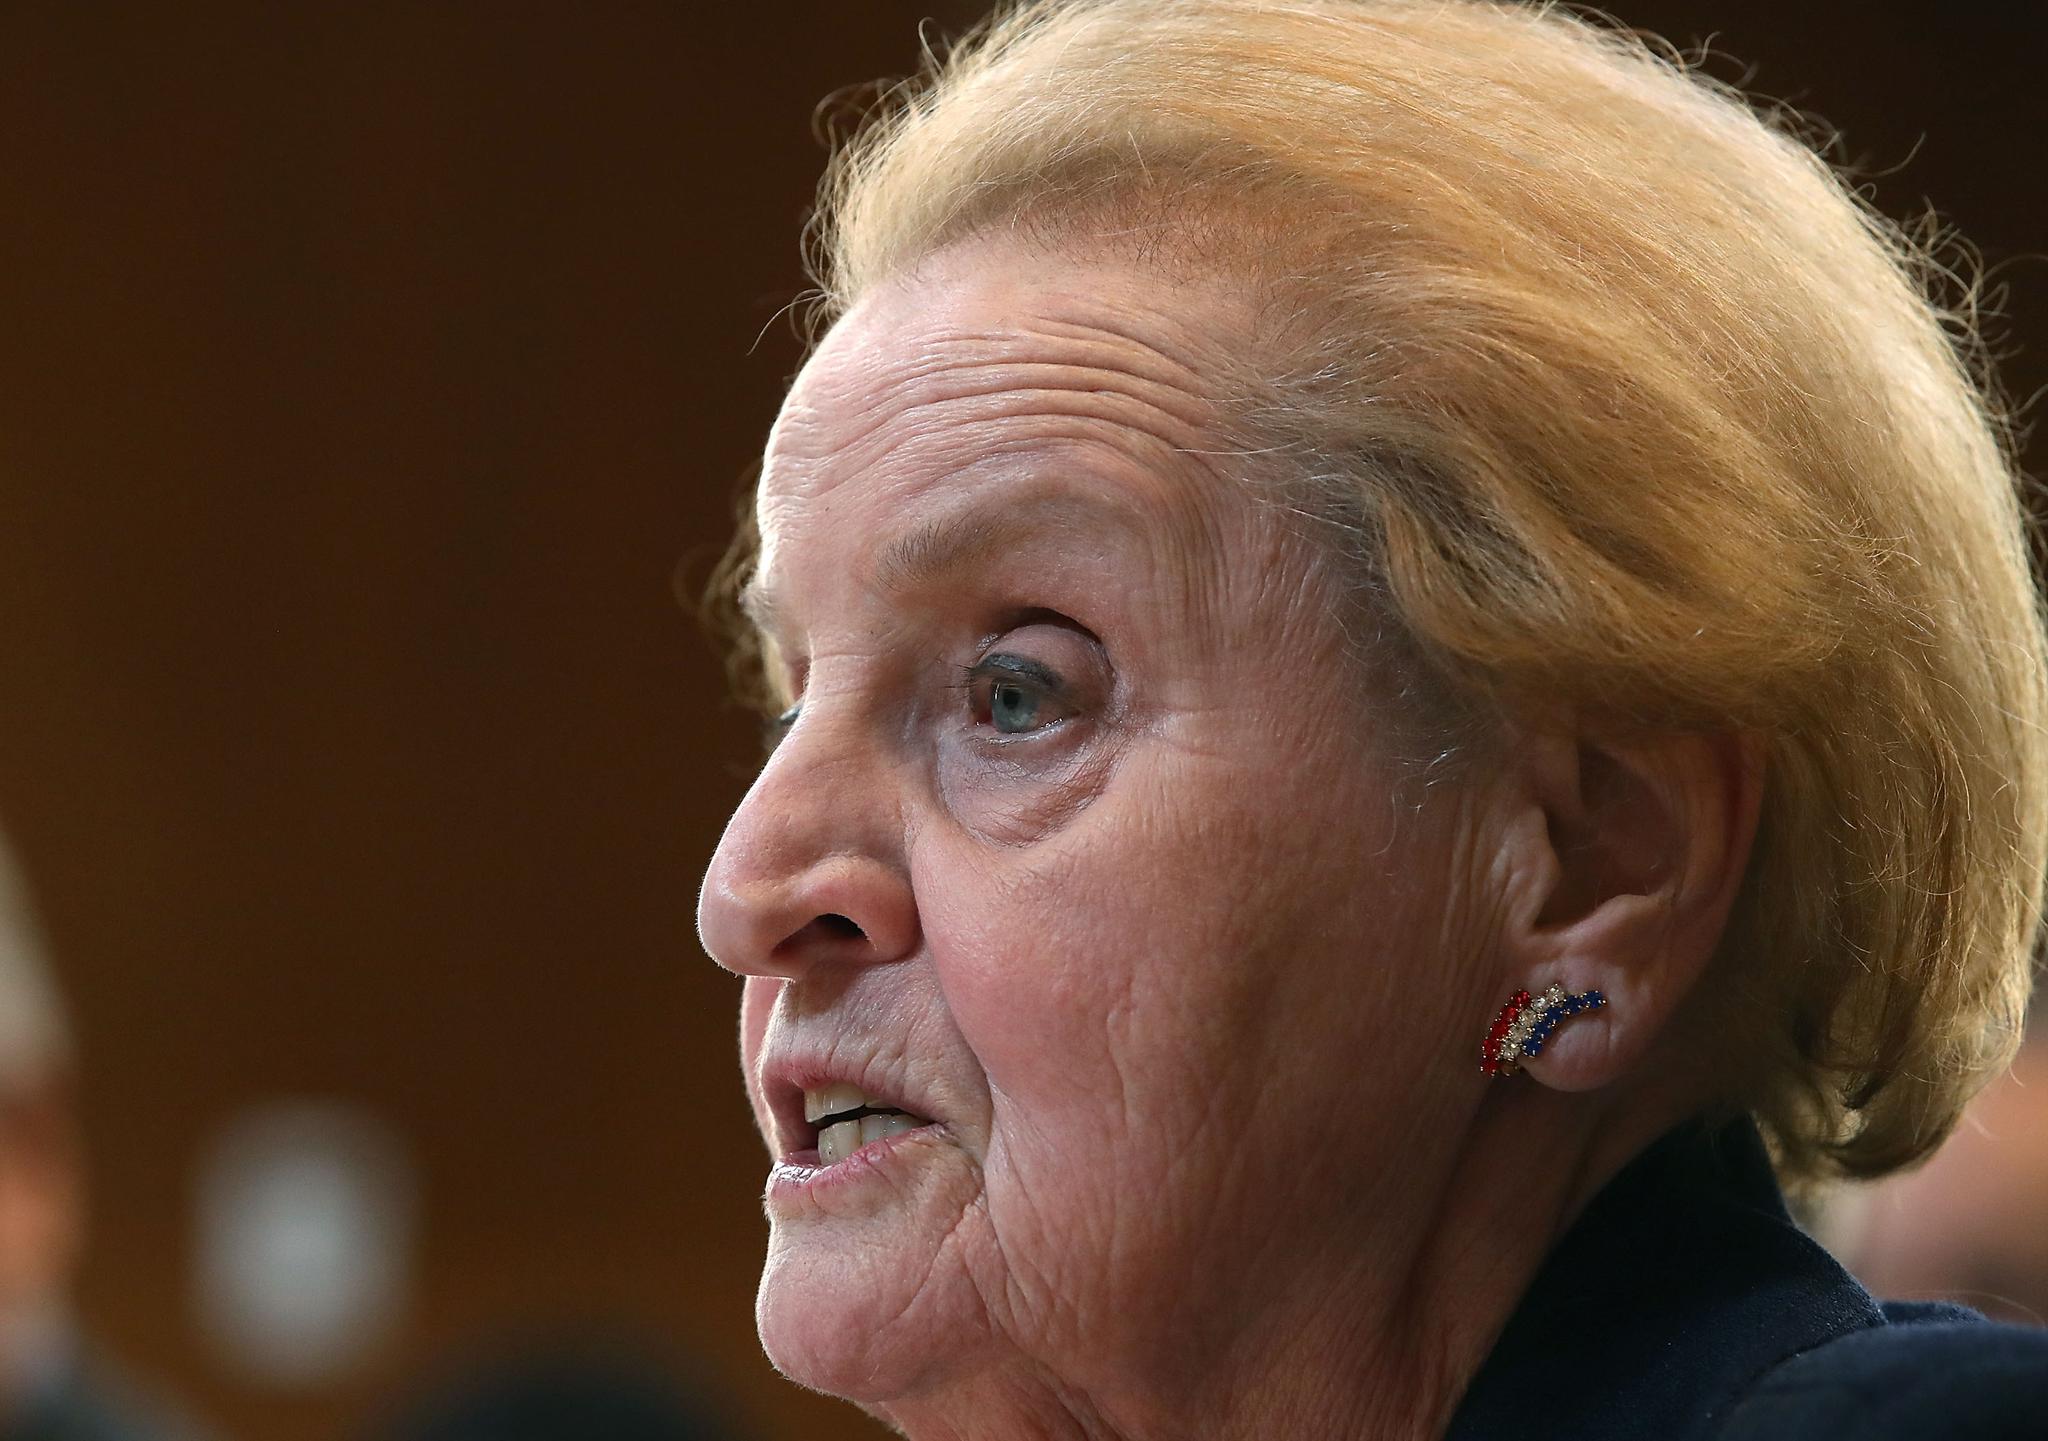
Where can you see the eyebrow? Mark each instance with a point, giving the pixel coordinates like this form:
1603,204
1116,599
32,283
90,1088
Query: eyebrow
949,543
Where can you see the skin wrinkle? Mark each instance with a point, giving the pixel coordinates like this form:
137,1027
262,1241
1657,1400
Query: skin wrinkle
1031,1300
1106,467
1137,962
906,1315
952,371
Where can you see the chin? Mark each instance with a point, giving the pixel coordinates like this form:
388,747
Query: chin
859,1321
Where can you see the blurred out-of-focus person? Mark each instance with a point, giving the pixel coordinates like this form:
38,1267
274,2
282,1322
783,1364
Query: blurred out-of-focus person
50,1388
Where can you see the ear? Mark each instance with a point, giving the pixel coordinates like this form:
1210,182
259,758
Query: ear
1623,858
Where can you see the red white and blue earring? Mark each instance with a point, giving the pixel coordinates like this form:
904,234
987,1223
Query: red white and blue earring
1525,1023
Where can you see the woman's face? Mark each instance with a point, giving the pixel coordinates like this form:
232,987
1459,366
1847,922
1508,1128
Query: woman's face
1077,850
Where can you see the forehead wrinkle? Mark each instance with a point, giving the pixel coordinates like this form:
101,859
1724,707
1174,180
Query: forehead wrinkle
1016,490
1046,340
841,404
959,428
919,384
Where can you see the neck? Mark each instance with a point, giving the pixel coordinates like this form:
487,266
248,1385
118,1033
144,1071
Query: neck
1338,1342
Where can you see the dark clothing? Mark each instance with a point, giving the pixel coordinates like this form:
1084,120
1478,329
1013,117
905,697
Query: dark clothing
1686,1305
91,1405
570,1390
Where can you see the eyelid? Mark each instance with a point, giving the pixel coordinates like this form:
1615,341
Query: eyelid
1018,665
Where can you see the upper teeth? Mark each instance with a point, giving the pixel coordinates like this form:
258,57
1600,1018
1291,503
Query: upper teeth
831,1100
842,1138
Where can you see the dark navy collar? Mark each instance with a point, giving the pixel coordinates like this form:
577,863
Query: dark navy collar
1683,1283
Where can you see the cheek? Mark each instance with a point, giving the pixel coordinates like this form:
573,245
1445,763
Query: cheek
1101,975
1116,988
1203,947
1031,962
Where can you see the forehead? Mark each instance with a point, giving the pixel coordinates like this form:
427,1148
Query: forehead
979,331
1068,386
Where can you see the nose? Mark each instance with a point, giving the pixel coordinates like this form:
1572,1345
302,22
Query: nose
811,870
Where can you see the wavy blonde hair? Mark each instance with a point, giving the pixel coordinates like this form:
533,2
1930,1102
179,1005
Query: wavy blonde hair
1616,394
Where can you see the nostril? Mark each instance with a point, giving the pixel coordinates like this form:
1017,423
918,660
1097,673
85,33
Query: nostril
827,936
841,927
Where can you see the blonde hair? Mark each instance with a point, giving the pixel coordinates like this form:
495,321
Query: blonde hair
1620,396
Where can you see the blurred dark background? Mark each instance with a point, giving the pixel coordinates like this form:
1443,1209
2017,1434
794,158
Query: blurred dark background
365,372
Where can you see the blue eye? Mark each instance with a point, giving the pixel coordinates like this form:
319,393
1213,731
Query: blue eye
1012,708
1014,696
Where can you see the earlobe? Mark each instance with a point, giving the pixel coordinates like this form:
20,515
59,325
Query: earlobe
1627,878
1523,1027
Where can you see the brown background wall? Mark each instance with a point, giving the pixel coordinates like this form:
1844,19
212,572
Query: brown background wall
364,371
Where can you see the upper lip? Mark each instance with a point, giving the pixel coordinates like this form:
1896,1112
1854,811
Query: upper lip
787,1074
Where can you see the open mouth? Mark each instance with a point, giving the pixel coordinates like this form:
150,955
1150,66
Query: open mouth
841,1118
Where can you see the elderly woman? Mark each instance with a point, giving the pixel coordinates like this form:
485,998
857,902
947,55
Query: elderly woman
1407,680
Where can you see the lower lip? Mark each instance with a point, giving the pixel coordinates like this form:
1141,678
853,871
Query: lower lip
799,1177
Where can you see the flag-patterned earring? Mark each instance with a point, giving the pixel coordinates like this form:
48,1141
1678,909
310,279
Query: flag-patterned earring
1526,1022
